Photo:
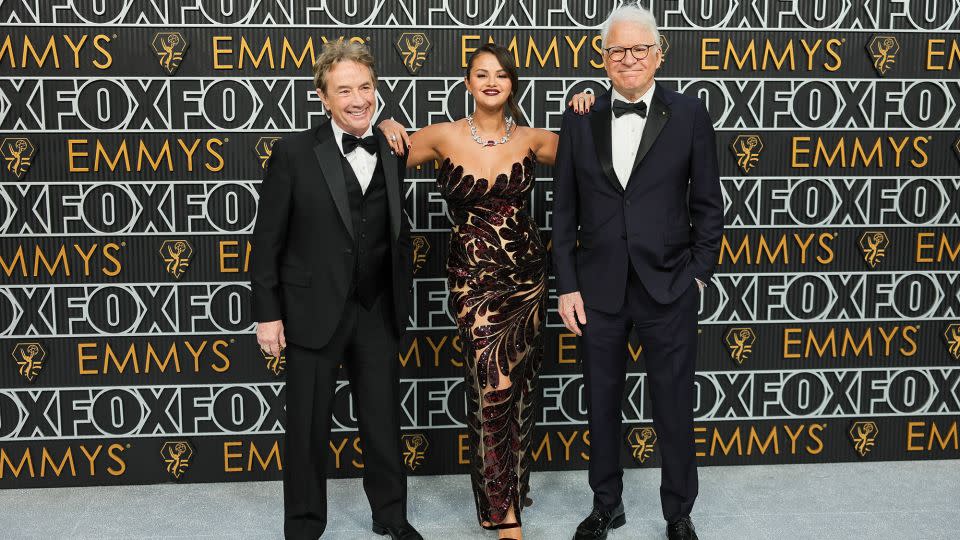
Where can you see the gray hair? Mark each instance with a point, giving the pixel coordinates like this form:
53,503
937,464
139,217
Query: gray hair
341,50
632,13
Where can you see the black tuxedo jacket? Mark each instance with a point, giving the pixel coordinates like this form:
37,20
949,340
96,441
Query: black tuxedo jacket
303,261
667,222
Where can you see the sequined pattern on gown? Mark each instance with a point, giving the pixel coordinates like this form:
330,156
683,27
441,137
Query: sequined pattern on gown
496,274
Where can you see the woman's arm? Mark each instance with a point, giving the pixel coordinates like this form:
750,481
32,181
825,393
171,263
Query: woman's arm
420,146
545,146
546,141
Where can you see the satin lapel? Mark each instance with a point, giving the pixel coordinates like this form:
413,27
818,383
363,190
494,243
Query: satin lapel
389,162
657,118
600,125
328,154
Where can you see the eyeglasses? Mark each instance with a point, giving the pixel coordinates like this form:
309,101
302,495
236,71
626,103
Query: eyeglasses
639,52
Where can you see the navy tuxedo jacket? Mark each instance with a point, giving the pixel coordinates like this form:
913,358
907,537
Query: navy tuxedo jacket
667,222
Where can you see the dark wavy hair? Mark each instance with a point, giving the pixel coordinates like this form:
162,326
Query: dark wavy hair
505,59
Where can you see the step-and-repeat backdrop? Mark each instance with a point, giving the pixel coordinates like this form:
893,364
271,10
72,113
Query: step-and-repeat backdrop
134,134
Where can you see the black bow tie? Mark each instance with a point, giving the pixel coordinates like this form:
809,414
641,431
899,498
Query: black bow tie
350,143
621,108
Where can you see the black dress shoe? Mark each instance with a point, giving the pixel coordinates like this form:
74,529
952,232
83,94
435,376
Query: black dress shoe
599,523
403,532
681,529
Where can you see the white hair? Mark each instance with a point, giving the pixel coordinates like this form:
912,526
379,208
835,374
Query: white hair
631,13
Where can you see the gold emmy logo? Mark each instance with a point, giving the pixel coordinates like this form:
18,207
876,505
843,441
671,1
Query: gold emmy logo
170,48
864,436
740,342
177,255
747,148
177,456
642,442
952,335
264,149
874,245
18,154
883,50
275,364
664,46
956,147
415,449
29,357
420,249
413,47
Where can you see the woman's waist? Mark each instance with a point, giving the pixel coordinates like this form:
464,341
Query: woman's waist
504,207
519,222
513,241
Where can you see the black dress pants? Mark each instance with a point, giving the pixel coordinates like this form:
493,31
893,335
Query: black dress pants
668,335
366,344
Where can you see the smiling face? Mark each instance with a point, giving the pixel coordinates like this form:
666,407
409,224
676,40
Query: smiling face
631,77
488,82
350,96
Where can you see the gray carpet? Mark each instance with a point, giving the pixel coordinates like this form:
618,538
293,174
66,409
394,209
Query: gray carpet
895,500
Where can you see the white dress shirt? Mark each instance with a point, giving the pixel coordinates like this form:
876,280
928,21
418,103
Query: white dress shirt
626,132
362,162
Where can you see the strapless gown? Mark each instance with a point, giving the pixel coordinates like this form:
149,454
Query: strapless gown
496,275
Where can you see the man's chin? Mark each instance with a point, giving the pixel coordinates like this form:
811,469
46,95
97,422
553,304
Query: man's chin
358,124
632,85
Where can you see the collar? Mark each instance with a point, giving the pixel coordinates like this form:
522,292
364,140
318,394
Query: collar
338,133
647,97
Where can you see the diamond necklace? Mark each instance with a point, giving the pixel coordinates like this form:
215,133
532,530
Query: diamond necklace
492,142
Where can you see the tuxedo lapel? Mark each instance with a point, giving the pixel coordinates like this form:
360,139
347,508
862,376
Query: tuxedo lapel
657,118
328,154
600,125
389,161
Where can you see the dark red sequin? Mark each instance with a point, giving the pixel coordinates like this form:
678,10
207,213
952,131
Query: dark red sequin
496,274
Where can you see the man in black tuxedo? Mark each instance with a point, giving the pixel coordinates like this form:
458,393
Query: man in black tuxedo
638,175
330,275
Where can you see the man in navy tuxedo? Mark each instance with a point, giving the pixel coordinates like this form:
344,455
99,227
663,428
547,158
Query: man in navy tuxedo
638,219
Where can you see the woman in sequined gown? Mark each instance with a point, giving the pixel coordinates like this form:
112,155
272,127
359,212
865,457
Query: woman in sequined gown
496,273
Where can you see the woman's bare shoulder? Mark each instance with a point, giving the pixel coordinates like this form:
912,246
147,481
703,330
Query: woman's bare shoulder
438,130
536,136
